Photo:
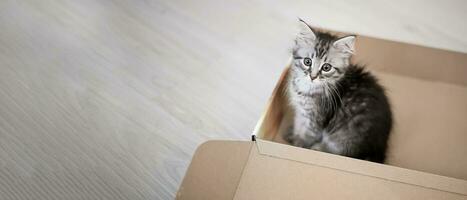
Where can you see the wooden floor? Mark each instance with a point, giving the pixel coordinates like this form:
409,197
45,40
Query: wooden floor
109,99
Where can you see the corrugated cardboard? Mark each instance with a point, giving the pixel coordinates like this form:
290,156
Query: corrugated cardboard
215,170
270,170
427,150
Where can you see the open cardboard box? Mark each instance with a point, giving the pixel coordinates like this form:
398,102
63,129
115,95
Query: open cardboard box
426,159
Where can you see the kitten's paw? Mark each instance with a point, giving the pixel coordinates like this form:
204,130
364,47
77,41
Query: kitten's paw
289,135
298,141
317,147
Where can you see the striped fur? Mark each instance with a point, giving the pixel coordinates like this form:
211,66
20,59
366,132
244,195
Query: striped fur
342,111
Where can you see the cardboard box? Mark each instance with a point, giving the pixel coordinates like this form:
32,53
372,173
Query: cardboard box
426,159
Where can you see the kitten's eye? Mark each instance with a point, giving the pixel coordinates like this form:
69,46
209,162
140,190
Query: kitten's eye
326,67
307,61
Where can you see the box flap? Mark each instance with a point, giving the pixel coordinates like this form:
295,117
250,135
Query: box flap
361,167
215,170
277,171
412,60
269,170
429,126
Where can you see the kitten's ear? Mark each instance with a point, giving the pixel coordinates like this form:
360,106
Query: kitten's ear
346,44
306,34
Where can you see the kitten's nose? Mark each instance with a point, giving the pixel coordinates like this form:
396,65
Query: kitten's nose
313,77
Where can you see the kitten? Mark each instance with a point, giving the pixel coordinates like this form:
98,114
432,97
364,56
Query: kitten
338,107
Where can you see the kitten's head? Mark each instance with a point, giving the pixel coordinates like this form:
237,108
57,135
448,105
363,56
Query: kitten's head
320,59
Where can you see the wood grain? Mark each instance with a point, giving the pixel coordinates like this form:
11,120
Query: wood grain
109,99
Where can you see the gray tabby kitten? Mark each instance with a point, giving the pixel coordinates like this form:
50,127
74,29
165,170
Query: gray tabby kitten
338,107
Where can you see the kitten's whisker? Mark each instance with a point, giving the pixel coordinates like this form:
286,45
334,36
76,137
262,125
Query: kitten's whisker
330,97
325,96
337,93
340,98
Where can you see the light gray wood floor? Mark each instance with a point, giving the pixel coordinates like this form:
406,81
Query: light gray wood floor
109,99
